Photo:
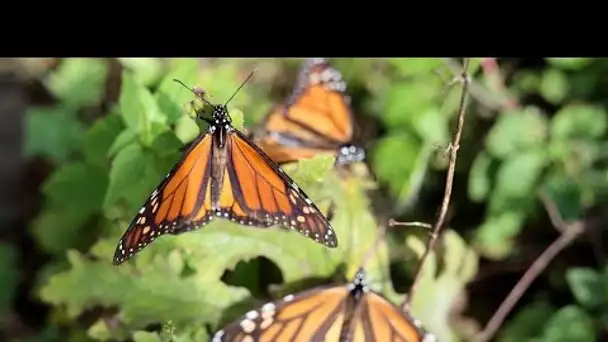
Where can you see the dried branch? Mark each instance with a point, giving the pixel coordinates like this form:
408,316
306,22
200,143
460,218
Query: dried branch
495,100
453,149
570,231
424,225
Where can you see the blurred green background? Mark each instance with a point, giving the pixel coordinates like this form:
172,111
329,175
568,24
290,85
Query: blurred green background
99,134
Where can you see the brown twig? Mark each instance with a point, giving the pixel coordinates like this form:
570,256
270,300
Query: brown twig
424,225
570,231
454,146
492,99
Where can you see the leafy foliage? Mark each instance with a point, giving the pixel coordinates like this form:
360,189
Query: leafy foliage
124,156
544,131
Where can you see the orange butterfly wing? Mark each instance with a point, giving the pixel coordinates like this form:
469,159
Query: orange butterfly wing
269,195
312,315
380,320
315,119
338,313
235,182
179,203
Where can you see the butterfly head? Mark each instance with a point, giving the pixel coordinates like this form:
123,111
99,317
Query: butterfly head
359,278
350,154
220,115
358,285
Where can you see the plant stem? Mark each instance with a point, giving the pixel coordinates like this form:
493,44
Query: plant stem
454,146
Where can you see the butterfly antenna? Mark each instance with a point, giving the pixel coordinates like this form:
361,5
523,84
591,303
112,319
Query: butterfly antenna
239,88
200,93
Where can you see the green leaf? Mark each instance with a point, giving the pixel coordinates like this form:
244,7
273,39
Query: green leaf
79,82
310,171
166,144
146,70
526,82
134,174
125,138
570,63
416,66
357,230
130,103
587,286
554,86
128,168
148,295
517,177
438,288
494,238
52,133
74,193
77,185
479,178
9,278
186,129
237,119
228,243
433,126
579,121
144,336
527,323
100,331
99,138
407,101
570,323
59,228
403,173
565,193
515,131
173,97
140,110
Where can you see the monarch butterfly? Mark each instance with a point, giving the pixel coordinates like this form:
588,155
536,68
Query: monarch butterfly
222,174
333,313
315,119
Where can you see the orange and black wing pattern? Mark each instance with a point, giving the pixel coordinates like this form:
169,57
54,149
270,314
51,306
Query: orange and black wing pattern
176,205
312,315
267,195
223,175
350,313
315,119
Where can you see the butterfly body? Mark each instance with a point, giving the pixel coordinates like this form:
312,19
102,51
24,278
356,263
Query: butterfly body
222,174
316,118
351,313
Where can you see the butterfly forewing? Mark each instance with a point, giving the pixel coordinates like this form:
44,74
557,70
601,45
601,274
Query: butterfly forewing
349,313
313,315
176,205
315,119
223,175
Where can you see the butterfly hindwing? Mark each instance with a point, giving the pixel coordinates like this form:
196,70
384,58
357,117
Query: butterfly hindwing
269,195
315,119
385,322
312,315
349,312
